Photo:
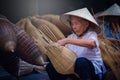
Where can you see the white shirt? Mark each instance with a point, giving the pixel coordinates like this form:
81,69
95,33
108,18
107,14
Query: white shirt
94,55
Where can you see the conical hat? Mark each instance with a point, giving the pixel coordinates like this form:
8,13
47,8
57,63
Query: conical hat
82,13
114,10
110,13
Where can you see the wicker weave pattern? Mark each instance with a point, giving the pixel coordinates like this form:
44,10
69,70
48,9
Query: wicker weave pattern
49,29
62,58
7,36
26,47
55,19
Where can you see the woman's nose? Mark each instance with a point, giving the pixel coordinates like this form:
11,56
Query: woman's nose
73,26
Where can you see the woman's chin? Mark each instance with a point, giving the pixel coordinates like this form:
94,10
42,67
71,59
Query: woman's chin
78,33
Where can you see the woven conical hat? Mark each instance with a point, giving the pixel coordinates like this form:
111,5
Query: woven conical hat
110,13
114,10
82,13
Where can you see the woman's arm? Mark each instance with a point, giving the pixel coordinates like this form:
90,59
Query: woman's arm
81,42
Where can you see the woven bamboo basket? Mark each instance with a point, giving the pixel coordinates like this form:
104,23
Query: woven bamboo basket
32,31
48,28
7,36
111,56
62,58
116,43
26,48
24,26
21,24
55,19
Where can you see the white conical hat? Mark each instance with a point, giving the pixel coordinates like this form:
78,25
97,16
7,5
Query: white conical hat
82,13
113,10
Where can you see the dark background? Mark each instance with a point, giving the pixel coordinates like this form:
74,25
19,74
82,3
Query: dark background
14,10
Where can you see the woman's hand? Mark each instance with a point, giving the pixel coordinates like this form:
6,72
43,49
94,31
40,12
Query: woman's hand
62,42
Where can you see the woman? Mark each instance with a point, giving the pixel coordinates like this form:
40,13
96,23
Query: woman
84,43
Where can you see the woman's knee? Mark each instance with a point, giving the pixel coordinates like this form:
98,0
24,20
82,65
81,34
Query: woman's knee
81,61
83,68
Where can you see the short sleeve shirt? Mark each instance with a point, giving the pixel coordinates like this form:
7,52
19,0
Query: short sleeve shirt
80,51
94,55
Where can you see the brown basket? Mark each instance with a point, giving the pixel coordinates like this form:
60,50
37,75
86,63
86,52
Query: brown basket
110,56
62,58
33,32
26,47
55,19
48,28
29,28
21,24
7,36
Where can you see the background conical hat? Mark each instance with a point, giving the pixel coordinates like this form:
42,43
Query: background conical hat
110,13
113,10
82,13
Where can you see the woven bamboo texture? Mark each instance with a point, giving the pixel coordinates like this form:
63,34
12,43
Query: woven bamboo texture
7,36
111,55
55,19
48,28
62,58
26,47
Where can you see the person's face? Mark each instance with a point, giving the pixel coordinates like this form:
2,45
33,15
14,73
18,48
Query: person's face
78,25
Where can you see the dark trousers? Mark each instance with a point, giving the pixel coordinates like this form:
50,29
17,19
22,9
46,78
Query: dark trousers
83,67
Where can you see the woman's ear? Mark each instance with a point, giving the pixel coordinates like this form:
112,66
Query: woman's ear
86,23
